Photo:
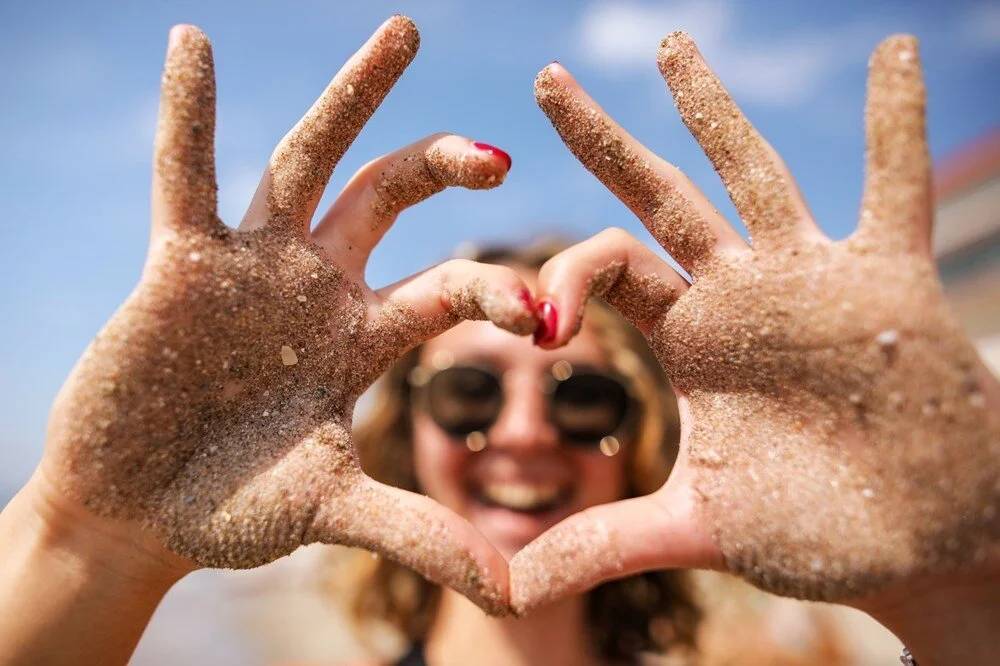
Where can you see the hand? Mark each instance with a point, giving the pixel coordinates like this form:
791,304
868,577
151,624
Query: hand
214,408
839,432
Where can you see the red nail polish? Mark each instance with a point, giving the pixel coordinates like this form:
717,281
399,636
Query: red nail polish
525,296
548,321
493,150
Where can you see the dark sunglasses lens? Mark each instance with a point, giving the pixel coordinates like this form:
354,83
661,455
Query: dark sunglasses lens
464,399
587,407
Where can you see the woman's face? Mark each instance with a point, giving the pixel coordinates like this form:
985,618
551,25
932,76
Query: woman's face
526,479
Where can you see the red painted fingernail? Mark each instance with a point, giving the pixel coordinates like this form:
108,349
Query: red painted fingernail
493,150
548,320
526,298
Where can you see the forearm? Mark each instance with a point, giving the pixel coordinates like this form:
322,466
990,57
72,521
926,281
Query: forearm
73,591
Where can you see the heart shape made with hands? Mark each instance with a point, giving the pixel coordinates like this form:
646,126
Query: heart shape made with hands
214,409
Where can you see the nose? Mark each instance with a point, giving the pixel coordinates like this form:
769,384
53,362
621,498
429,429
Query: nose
523,424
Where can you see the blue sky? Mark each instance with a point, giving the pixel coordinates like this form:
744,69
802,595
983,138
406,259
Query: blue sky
80,88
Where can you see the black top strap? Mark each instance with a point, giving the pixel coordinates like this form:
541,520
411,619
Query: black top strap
413,657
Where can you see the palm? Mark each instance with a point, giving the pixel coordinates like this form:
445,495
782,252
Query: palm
230,425
215,407
804,391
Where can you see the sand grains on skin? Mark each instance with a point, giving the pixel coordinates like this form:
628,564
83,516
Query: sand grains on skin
839,441
214,407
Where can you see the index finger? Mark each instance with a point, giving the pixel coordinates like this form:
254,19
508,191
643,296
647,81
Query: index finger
302,163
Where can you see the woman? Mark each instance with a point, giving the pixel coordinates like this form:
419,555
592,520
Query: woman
515,438
845,445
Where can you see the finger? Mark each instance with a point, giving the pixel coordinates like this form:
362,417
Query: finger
429,303
303,162
896,207
614,266
762,189
658,531
377,193
678,216
184,187
419,533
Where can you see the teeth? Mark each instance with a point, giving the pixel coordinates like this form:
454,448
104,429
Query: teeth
521,496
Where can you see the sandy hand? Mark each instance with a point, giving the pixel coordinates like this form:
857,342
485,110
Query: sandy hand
837,431
215,407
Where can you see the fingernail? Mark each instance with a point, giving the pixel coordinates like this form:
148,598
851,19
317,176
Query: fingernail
493,150
525,297
548,320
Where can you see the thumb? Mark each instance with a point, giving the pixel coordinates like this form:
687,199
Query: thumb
419,533
657,531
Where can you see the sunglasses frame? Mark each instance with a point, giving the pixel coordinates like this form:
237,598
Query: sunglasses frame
421,376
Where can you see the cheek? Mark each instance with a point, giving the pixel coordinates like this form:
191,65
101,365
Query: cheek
601,479
439,463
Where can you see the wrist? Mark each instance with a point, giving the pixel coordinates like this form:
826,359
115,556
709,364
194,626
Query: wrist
944,620
107,550
68,576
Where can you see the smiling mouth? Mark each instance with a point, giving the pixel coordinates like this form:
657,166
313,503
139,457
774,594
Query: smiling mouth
522,497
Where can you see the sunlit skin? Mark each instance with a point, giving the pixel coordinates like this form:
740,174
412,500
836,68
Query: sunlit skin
786,353
276,310
130,497
523,445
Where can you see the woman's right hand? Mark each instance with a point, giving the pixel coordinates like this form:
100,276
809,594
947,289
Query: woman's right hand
213,411
840,436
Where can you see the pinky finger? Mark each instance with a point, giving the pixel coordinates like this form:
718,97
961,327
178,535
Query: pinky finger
896,208
612,265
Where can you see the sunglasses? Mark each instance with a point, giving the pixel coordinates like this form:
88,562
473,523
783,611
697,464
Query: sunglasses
586,405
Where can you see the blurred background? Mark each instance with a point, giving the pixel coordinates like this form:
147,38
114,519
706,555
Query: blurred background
81,85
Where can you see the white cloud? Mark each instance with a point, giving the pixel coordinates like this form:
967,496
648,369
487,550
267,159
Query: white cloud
620,37
790,71
625,35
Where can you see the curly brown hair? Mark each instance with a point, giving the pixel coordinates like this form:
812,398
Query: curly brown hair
652,611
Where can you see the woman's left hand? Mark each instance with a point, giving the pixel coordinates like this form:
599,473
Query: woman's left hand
840,436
